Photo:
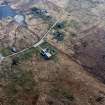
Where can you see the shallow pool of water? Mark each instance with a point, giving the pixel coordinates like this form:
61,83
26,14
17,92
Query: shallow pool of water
6,11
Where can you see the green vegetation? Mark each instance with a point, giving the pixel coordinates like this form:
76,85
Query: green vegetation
20,81
52,49
67,95
59,36
73,24
5,51
42,13
73,34
19,84
47,45
57,32
26,55
61,93
60,25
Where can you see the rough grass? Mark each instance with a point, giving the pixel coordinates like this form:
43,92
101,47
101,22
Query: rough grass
47,45
62,94
28,54
73,24
53,50
5,51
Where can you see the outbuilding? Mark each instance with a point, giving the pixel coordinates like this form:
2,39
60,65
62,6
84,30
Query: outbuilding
46,54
